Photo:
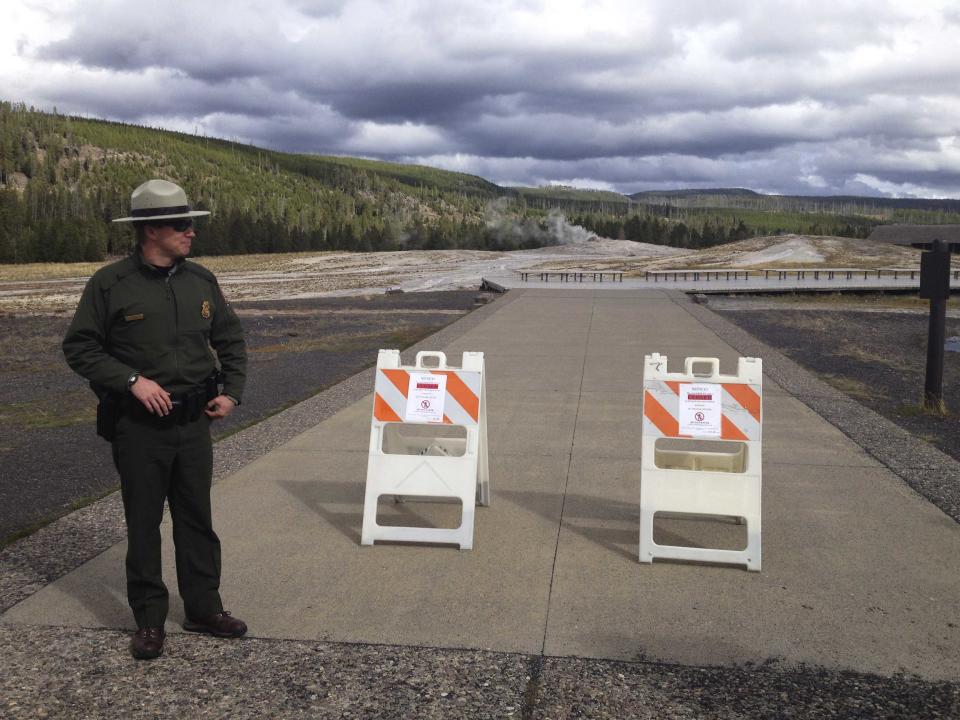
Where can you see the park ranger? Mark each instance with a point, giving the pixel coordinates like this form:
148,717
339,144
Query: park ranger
142,335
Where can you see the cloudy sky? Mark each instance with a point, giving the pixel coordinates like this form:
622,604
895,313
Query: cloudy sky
809,97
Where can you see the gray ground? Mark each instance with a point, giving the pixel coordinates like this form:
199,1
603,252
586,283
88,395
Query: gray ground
53,672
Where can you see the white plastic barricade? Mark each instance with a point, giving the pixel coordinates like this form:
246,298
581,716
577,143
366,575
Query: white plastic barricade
428,439
682,474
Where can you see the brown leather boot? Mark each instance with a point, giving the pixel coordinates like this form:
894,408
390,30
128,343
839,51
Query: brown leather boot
147,643
221,624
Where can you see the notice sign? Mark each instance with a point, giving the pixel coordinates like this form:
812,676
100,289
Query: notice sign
700,409
425,397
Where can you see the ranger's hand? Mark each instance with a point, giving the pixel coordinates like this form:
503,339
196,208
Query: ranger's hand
153,397
219,407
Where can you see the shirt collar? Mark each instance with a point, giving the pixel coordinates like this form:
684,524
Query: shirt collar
141,263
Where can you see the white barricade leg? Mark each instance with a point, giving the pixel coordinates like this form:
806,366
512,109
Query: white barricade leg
370,499
483,462
753,543
647,546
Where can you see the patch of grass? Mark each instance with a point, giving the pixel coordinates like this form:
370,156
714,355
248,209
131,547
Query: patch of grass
806,323
36,339
33,415
853,388
872,300
400,338
850,351
276,262
305,344
50,271
922,410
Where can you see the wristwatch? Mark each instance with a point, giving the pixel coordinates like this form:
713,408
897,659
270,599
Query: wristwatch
132,379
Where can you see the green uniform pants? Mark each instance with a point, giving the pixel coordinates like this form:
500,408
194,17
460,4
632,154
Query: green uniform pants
159,459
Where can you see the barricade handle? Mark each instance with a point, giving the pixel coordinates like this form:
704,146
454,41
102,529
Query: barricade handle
441,358
691,361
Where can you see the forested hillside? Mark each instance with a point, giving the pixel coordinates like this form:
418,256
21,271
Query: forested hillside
62,179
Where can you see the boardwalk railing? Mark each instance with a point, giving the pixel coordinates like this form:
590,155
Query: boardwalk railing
658,275
787,274
726,275
576,276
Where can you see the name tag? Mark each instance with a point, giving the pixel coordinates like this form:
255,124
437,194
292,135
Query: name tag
131,318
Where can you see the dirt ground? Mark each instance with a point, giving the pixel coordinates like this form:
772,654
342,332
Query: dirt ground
875,354
50,457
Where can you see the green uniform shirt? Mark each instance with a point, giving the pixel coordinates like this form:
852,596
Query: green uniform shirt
135,318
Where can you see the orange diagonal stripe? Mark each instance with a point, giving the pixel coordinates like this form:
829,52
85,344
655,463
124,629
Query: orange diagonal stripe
673,385
400,378
658,415
382,411
459,391
729,431
747,398
447,420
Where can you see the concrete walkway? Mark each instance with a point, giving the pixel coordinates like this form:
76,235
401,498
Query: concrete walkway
859,572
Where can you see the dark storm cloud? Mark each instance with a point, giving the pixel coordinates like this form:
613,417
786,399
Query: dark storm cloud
289,133
237,44
415,100
133,96
581,138
815,97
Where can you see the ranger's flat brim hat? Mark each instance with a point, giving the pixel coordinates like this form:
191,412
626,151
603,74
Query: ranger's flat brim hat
159,200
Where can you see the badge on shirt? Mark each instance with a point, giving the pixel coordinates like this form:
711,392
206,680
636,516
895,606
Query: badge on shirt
205,310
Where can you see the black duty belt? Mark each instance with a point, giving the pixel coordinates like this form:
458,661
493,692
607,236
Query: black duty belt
187,407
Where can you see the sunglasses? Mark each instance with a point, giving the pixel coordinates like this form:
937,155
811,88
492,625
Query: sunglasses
180,224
